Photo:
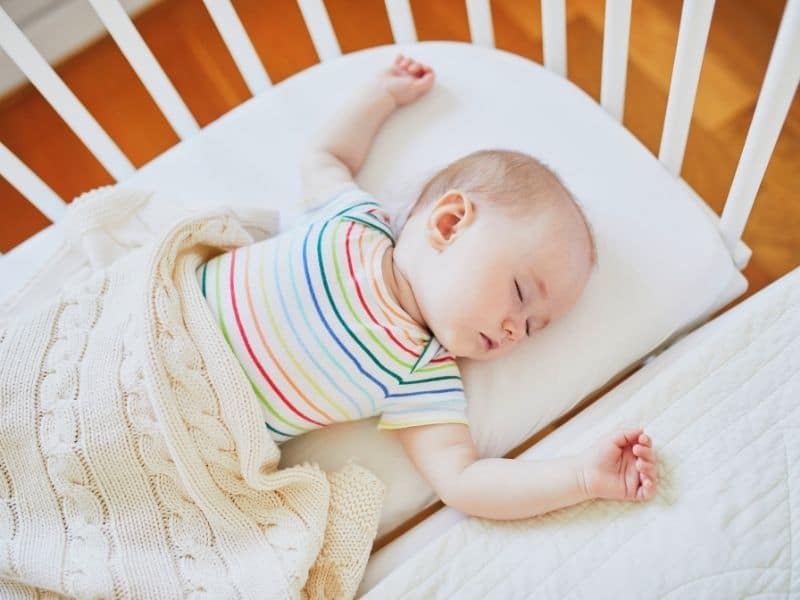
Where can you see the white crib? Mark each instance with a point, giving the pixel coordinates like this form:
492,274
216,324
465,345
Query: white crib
285,103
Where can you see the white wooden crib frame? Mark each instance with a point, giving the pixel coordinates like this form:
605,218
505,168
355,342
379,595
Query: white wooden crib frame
780,82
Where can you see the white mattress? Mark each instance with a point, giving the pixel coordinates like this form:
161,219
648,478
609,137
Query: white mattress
721,407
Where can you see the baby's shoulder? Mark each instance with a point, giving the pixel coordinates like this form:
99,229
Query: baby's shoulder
351,200
359,209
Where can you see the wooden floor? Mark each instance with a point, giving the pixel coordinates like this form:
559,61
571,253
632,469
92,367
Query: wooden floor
187,45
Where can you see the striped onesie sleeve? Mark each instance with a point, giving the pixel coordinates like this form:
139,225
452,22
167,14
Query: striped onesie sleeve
432,393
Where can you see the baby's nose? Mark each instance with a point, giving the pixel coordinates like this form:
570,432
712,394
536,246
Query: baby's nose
513,328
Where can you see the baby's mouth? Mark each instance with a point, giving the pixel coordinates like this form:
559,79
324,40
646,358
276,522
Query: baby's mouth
488,342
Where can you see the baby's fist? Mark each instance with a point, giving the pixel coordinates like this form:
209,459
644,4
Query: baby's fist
406,80
621,466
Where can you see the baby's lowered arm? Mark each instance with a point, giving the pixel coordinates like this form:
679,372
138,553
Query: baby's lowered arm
619,466
494,488
337,152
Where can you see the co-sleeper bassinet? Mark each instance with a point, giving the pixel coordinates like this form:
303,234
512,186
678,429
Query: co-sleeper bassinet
774,100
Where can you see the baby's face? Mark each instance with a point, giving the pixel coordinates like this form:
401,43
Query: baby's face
501,276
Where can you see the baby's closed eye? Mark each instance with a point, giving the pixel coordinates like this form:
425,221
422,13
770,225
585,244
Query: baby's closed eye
522,301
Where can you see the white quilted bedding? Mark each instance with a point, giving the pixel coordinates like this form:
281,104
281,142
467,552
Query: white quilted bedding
726,522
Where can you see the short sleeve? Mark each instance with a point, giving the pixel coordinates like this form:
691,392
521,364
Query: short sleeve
346,195
424,407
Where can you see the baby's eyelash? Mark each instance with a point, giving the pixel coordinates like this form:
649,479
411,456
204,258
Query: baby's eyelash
527,324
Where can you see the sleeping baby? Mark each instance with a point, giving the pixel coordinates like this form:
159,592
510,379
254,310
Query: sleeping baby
340,318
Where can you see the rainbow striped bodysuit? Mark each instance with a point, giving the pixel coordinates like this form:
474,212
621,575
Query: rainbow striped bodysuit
311,321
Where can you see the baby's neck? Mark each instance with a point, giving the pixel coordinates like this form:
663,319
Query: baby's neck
400,289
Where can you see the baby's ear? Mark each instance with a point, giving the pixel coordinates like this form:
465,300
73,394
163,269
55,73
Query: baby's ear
449,215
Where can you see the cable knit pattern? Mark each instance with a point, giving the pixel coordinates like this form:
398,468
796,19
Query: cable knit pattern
194,559
9,515
87,566
133,459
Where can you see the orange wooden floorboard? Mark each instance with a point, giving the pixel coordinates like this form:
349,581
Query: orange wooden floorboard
186,43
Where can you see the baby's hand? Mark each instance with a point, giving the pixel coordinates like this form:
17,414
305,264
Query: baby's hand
619,468
406,80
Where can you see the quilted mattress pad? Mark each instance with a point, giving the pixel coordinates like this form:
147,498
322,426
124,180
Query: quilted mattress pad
722,412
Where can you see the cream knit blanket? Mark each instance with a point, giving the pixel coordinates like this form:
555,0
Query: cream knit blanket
134,462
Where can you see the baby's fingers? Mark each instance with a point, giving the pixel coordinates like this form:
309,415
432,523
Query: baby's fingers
647,469
425,82
417,68
411,66
646,490
644,452
624,437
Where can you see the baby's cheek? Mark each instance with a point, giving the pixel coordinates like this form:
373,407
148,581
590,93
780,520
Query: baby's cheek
452,318
444,333
449,336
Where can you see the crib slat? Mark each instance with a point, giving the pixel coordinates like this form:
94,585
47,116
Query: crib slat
616,32
780,83
479,14
61,98
320,29
554,36
29,185
241,48
692,38
401,20
119,25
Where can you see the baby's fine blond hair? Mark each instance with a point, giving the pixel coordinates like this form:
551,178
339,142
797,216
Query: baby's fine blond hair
511,180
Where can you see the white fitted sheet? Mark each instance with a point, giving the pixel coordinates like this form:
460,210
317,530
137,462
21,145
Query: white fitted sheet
721,407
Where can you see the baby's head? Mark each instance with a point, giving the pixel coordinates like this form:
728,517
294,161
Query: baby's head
489,228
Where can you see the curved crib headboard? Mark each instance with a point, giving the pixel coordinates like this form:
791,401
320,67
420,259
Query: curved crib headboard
780,82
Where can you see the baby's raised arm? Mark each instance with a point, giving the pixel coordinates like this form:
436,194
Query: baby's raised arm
339,149
616,467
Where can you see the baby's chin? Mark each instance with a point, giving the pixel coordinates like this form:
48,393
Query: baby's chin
484,356
481,357
492,354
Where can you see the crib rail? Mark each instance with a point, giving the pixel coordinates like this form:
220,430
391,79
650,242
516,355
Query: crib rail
27,182
61,98
401,21
121,29
554,36
616,32
320,29
692,38
780,82
239,45
479,15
